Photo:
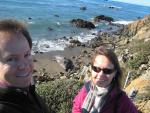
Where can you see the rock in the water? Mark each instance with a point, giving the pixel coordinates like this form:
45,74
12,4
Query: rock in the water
82,23
103,17
83,8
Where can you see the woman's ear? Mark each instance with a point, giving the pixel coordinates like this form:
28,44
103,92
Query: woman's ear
115,75
115,72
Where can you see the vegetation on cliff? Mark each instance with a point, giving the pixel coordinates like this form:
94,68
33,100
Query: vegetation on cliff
133,50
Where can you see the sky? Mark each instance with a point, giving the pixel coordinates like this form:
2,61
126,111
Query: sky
139,2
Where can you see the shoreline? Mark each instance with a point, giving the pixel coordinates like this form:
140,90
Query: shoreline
52,63
47,62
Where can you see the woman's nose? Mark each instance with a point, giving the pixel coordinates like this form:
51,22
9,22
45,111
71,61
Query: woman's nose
100,73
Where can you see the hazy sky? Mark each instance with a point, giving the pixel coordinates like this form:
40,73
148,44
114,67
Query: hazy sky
139,2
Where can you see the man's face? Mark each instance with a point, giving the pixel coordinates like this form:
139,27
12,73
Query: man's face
16,63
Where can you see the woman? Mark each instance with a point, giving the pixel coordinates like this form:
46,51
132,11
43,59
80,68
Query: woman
103,94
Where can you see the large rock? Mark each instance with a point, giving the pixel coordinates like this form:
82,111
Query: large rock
74,43
83,8
66,63
82,23
95,42
103,17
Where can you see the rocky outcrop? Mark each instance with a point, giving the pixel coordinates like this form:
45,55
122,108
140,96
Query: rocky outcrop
142,97
103,17
74,43
82,23
136,39
66,63
83,8
138,29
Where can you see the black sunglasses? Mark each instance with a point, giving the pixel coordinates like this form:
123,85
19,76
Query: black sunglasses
105,70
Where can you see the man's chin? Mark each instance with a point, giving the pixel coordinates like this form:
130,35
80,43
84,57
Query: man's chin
23,85
24,75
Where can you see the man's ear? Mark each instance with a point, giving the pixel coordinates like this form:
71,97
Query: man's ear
32,81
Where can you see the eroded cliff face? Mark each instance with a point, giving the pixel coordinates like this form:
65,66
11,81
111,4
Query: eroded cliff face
138,29
140,88
137,53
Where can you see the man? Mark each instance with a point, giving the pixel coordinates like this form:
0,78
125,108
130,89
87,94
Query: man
17,95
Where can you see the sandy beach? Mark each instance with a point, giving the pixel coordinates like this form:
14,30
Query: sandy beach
47,62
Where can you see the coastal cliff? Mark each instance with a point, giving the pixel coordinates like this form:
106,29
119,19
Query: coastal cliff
132,45
138,53
139,29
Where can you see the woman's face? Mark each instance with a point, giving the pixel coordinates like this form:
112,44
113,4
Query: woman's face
102,71
16,64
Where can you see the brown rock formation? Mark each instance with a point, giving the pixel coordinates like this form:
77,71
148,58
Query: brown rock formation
138,29
82,23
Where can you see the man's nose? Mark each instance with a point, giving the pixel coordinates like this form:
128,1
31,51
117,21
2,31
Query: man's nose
23,64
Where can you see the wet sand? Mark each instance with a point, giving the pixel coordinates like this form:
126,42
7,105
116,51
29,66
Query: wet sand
48,63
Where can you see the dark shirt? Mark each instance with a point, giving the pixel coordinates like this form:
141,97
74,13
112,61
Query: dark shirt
15,100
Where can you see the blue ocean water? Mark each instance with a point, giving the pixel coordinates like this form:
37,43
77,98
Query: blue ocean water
43,15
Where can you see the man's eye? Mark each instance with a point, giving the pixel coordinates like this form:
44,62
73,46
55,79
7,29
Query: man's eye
27,55
11,59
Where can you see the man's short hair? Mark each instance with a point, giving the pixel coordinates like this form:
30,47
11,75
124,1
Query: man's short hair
14,26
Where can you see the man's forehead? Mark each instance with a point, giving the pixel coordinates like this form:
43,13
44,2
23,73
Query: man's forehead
11,42
9,36
5,36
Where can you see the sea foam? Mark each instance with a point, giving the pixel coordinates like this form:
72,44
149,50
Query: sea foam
123,22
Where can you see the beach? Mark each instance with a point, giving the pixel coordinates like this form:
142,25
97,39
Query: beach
47,62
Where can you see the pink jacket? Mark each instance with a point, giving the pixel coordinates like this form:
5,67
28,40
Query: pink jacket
123,105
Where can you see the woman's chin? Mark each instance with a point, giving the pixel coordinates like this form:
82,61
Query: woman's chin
101,83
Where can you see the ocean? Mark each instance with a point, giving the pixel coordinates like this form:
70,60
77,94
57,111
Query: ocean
48,21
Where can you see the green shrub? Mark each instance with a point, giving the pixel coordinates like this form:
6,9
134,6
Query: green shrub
59,94
137,61
141,46
142,50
